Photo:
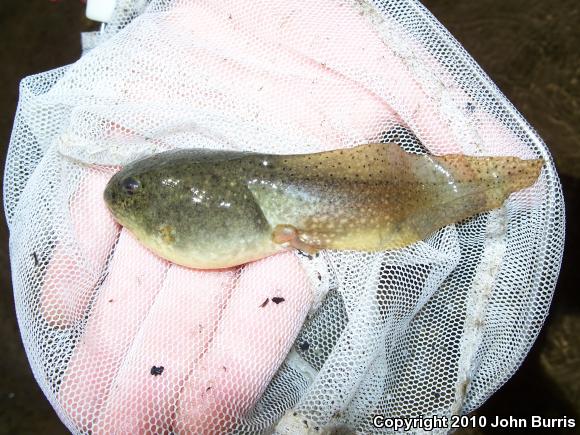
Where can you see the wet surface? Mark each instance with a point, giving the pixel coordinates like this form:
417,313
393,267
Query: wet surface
529,48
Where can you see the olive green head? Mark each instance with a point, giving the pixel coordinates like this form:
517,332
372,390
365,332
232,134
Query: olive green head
190,207
136,194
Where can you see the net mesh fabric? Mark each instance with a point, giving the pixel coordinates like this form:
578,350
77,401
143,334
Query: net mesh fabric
121,341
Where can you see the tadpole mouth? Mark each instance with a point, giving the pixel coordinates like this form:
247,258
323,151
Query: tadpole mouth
111,193
119,197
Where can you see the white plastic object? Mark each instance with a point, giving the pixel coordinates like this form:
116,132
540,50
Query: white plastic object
100,10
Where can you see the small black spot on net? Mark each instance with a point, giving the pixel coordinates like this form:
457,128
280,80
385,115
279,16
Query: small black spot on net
157,370
263,304
278,300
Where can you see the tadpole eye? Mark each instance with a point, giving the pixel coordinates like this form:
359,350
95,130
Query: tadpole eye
130,185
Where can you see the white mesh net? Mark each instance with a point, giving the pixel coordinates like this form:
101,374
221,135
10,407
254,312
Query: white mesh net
123,342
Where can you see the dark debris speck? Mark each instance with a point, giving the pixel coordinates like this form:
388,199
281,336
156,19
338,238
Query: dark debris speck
156,371
304,254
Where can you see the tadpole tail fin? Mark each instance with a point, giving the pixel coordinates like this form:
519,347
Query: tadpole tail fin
498,177
527,173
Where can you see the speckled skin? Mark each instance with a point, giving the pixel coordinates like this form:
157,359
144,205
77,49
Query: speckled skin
207,209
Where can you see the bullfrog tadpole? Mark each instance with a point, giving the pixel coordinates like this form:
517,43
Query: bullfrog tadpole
215,209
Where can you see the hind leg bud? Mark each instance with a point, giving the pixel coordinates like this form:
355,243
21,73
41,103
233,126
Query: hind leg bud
288,235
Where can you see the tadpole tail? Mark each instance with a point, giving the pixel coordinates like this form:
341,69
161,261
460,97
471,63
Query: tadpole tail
498,177
526,174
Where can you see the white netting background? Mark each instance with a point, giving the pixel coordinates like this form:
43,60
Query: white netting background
123,342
